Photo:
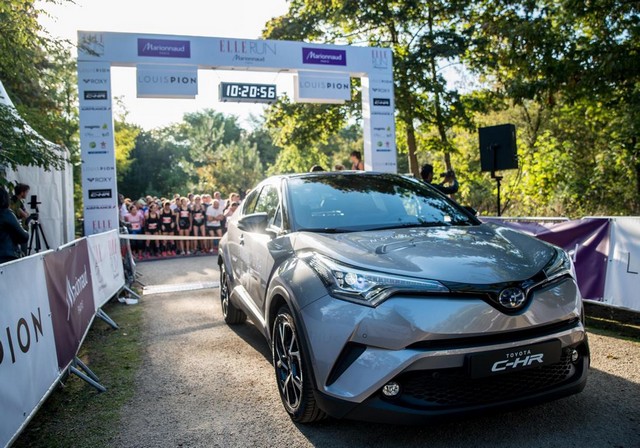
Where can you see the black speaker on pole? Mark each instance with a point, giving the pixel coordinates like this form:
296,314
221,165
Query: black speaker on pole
498,148
498,152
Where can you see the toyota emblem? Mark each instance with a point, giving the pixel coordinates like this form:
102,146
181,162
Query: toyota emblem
512,298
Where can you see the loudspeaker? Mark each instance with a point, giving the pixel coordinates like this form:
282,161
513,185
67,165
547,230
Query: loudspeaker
498,148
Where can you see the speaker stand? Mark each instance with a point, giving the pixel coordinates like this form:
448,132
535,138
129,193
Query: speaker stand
498,180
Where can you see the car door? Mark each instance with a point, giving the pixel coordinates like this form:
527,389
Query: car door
236,249
258,245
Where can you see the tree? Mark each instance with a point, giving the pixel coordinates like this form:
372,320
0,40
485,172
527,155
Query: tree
565,66
424,36
157,165
39,76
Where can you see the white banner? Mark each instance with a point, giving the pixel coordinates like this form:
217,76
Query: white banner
107,273
623,272
379,124
318,87
28,362
97,148
158,81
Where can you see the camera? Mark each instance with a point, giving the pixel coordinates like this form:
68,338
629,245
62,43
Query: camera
33,203
449,173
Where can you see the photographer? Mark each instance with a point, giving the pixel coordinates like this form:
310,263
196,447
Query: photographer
11,233
20,193
449,178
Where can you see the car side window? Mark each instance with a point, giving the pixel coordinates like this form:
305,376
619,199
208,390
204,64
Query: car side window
250,202
268,203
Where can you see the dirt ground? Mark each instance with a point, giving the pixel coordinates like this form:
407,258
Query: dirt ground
203,383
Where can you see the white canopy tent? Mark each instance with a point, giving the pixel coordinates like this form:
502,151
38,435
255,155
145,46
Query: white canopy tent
54,190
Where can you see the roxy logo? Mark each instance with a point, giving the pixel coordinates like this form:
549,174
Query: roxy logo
75,289
518,359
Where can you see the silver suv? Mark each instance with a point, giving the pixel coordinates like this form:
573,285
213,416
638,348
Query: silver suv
384,300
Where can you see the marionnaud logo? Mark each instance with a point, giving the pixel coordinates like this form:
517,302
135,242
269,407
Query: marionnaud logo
74,289
324,56
164,48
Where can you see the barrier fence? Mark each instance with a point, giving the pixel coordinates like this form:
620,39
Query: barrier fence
49,301
605,252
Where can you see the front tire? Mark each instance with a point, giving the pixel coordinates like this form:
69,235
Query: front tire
231,314
292,373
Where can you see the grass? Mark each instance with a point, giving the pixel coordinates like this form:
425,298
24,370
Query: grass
76,414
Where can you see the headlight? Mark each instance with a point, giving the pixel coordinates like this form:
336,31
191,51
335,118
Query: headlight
365,287
560,265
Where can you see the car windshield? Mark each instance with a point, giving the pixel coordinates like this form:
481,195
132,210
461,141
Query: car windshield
333,202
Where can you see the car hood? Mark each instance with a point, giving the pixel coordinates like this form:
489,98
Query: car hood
482,254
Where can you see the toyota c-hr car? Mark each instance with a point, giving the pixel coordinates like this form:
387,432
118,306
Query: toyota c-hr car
384,300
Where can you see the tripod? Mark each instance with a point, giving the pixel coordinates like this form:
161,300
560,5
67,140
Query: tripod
35,234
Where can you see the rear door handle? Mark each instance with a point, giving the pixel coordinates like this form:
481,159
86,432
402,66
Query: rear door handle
241,240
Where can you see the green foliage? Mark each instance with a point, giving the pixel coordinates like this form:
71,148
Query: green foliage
207,151
39,77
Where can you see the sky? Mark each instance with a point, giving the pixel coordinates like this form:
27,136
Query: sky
219,18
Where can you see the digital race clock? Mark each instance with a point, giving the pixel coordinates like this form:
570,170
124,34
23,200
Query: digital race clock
248,93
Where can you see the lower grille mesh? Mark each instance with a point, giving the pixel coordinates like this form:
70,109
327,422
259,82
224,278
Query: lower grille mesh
454,388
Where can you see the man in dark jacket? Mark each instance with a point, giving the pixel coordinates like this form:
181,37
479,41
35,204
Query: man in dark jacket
11,232
449,178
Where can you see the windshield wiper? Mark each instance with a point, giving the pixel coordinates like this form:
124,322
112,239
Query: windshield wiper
325,230
403,225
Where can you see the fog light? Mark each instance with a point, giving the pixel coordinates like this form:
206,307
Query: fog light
391,389
574,355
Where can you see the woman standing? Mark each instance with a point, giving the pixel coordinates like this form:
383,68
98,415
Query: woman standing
152,227
135,219
167,227
183,218
197,220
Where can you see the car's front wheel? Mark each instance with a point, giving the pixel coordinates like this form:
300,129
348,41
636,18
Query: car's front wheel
292,374
231,314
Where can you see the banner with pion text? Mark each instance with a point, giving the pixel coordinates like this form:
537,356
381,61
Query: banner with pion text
28,364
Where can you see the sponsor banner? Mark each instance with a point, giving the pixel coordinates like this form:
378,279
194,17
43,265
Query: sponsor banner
107,274
99,187
28,363
318,87
586,240
623,269
381,59
245,52
90,44
324,56
164,48
167,82
379,121
70,287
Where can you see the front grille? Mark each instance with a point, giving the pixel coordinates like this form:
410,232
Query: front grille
454,388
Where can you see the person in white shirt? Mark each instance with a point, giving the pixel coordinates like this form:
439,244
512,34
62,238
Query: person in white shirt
215,215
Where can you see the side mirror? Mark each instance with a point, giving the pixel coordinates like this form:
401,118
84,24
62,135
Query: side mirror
471,210
255,222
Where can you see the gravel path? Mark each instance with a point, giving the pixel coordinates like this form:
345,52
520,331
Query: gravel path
205,384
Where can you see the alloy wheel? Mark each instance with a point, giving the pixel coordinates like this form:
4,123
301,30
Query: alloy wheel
288,363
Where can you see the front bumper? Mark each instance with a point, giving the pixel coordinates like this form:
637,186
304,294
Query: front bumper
379,409
356,350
